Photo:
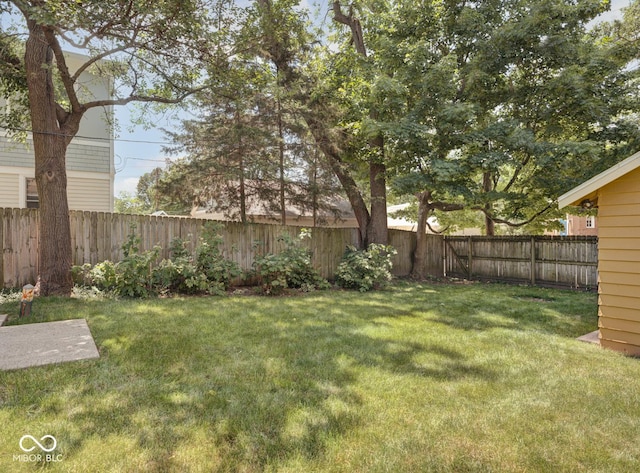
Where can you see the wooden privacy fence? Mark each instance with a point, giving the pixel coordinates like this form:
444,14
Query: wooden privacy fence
570,261
98,236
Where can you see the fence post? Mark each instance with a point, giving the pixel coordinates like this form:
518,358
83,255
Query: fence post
470,258
533,260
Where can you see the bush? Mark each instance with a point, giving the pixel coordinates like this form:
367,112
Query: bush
292,268
365,270
131,277
180,275
138,275
81,275
134,274
178,249
210,261
103,275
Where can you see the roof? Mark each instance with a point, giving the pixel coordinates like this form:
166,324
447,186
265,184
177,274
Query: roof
333,206
588,190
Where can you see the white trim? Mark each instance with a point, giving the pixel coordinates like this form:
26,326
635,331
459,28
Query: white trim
592,185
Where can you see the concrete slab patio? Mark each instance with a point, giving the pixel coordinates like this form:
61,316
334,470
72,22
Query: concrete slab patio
23,346
591,337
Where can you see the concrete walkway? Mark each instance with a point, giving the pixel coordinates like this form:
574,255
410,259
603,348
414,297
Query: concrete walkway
23,346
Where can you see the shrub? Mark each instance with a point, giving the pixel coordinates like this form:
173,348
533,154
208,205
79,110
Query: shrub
81,275
365,270
180,275
103,275
178,249
134,273
292,268
131,277
210,261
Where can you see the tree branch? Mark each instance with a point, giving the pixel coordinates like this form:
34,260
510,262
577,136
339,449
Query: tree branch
67,80
142,98
516,173
355,26
513,224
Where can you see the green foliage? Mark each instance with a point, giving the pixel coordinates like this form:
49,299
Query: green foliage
138,275
104,275
181,276
291,268
209,259
492,106
365,270
126,203
208,271
134,273
178,248
80,275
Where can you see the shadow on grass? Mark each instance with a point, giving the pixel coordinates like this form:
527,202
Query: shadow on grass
245,384
481,306
261,381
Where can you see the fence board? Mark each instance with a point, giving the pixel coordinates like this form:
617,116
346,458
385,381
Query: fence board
540,260
96,236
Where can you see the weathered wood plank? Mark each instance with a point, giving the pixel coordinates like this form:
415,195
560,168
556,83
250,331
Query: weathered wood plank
96,236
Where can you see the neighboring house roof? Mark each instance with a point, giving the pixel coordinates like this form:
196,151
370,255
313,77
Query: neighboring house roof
587,191
332,208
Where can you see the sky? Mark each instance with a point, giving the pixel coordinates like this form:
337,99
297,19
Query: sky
138,150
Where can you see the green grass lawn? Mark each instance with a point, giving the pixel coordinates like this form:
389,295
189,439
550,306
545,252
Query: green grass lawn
415,378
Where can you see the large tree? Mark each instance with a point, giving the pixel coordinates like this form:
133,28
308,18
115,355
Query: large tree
153,51
246,146
496,106
282,34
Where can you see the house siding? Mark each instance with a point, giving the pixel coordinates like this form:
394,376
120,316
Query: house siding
619,264
85,191
9,190
80,157
89,194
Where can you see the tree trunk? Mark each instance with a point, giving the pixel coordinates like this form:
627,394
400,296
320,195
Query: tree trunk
280,54
377,231
418,271
241,189
283,205
49,145
487,186
489,225
243,192
332,153
314,187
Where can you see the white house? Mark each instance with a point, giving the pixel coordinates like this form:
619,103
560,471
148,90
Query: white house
90,157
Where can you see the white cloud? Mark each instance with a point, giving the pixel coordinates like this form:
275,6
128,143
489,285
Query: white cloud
126,184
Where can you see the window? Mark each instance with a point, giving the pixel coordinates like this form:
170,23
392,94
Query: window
33,202
591,221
